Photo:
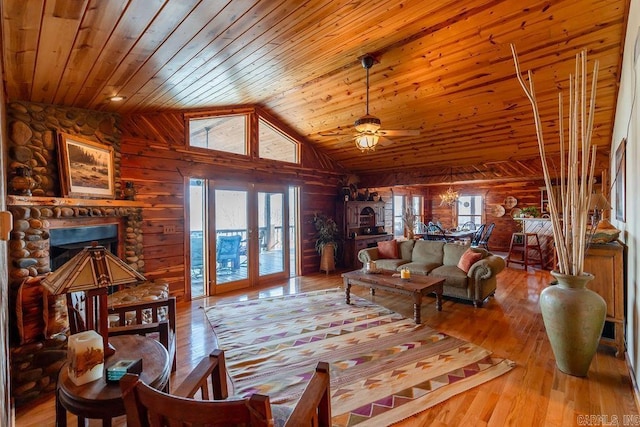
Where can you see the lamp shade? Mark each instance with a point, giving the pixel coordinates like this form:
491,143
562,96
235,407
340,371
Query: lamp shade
367,141
93,267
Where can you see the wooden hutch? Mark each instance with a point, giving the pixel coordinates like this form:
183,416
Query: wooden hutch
363,227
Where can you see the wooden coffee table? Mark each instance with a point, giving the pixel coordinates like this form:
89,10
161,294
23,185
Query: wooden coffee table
416,286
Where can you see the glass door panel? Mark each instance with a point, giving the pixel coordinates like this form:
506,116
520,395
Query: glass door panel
231,231
270,232
199,273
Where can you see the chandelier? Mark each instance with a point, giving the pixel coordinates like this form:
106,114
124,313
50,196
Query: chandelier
449,197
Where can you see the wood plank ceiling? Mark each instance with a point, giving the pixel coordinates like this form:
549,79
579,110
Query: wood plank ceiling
443,67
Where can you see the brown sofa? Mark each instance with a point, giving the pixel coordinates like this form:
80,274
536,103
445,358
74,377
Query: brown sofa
438,258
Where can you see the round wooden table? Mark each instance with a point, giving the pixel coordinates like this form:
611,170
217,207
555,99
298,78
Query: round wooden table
101,400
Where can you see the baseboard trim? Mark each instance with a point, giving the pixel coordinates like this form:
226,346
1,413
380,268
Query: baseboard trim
634,383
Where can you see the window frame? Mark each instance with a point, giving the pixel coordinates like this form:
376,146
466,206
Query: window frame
202,116
284,134
473,215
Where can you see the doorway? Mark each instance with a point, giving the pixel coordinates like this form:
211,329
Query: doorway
240,235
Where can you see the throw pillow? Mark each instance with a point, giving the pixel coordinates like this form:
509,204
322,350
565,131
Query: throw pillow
388,249
467,259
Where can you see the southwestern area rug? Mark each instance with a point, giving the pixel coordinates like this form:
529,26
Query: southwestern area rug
384,368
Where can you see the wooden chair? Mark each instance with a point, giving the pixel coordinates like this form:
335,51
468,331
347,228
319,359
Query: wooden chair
469,225
156,318
148,317
475,241
484,241
147,407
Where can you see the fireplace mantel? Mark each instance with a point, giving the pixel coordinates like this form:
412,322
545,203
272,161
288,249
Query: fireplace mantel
65,201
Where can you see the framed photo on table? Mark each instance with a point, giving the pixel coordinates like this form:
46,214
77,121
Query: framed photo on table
620,179
86,168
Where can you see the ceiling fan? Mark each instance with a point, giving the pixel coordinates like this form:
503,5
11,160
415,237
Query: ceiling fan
368,133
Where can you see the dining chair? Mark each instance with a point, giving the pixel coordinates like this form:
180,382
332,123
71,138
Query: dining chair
484,240
147,407
435,232
469,225
475,241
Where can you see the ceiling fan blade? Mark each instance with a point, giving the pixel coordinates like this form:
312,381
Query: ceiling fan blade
344,142
333,133
383,142
400,132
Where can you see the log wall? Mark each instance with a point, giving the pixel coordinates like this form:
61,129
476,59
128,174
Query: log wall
156,158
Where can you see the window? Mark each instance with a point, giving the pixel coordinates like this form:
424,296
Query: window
418,211
398,209
223,133
470,209
275,145
399,206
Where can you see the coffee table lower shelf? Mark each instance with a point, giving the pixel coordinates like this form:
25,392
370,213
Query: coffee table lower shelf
416,287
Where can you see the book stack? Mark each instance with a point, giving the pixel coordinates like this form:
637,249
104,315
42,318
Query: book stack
122,367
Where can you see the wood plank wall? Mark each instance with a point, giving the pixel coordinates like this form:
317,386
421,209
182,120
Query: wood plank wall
157,160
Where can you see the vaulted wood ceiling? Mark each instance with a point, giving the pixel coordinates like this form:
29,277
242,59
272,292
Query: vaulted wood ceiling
443,67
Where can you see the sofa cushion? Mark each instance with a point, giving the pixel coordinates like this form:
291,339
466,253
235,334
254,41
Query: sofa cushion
427,251
388,249
405,249
467,259
454,277
389,264
419,267
453,252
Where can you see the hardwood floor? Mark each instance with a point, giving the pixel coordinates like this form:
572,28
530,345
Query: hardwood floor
535,393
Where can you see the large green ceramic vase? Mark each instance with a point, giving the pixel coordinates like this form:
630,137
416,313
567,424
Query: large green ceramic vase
573,317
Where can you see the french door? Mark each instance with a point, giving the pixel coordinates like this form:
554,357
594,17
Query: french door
240,234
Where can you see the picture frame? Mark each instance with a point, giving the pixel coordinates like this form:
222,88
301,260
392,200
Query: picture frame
86,168
620,180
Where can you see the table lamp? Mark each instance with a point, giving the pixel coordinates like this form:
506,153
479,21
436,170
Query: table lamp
93,270
601,230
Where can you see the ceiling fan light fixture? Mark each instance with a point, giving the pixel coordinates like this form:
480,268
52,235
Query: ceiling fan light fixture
367,123
367,141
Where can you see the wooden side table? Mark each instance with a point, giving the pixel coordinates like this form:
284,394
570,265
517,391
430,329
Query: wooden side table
606,263
100,400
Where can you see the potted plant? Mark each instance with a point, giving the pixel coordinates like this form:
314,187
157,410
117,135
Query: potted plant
327,239
409,221
573,315
530,212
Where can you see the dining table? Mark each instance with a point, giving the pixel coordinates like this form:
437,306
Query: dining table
458,235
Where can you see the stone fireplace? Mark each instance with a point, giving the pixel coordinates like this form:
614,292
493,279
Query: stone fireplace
46,232
73,222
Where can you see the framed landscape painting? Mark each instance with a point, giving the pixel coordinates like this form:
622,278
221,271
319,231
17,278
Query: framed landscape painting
86,168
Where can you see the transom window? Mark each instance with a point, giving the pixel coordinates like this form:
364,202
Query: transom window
275,145
223,133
